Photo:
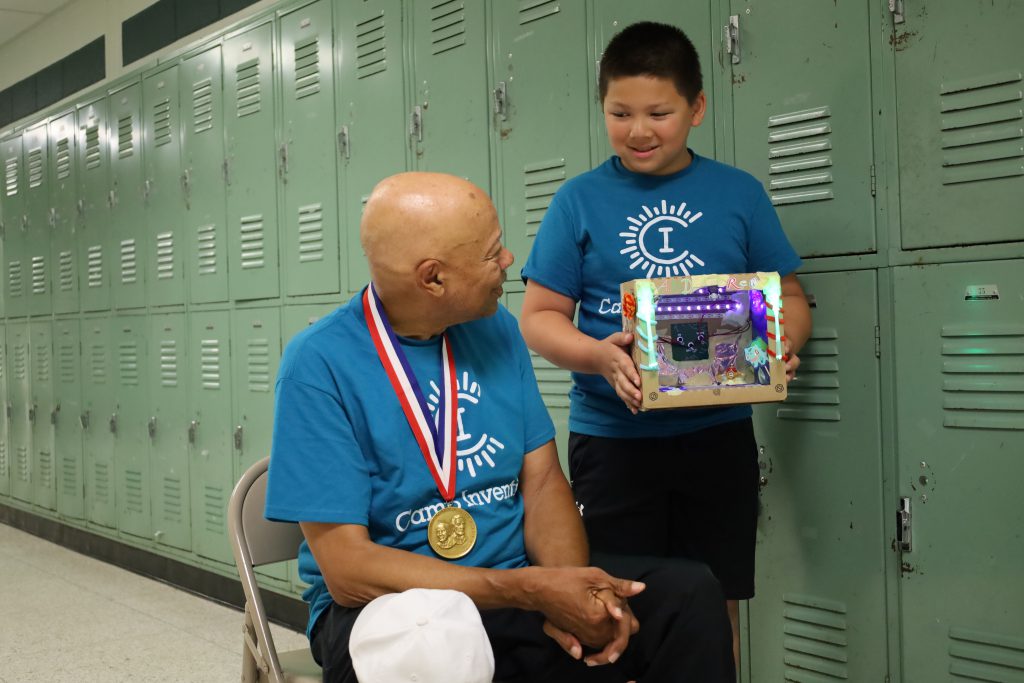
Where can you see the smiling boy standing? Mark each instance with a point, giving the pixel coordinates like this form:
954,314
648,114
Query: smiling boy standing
663,483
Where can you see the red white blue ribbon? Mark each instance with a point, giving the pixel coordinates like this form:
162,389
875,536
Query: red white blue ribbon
436,441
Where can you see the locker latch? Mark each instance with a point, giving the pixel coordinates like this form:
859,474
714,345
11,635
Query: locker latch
501,100
896,7
81,208
238,437
32,413
732,38
53,217
152,427
904,529
344,148
416,123
53,414
113,423
192,426
10,411
83,420
186,187
283,168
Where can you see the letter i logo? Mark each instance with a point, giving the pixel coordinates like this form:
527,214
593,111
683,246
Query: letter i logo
474,452
652,240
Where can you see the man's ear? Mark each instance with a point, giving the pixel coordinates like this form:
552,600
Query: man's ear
429,277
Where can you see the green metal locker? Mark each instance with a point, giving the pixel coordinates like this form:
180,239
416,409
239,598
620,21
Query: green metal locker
449,121
129,425
541,110
14,224
39,219
371,107
163,188
202,98
694,18
960,427
252,220
802,118
168,426
820,610
97,413
19,399
64,202
211,470
40,411
130,237
96,192
306,161
960,122
256,352
67,429
5,449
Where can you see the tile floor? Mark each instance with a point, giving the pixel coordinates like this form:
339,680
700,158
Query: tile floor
69,617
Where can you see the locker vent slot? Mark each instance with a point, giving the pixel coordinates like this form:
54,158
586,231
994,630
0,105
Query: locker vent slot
168,363
247,84
20,362
983,376
371,52
70,485
532,10
14,279
815,396
311,233
66,271
101,483
24,464
162,123
307,67
125,138
129,262
202,105
799,156
93,158
11,177
63,165
541,180
978,656
94,259
207,249
128,363
99,364
447,25
68,367
214,510
982,129
133,491
36,167
41,356
45,461
814,641
165,255
252,241
259,365
173,507
553,381
39,275
209,360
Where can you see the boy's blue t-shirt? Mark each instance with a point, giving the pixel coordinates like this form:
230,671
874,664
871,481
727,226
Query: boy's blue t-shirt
342,451
611,225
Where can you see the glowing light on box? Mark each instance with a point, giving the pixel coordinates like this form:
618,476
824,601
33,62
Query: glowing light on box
773,302
646,324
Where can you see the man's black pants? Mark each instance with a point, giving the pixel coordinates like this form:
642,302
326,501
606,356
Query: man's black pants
684,633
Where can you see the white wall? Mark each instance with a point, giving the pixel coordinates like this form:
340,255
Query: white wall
79,23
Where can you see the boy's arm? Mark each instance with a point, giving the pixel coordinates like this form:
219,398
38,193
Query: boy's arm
798,319
546,324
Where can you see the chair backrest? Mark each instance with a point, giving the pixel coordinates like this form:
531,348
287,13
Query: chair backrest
256,541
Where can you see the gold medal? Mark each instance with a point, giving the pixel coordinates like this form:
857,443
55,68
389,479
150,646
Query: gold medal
451,533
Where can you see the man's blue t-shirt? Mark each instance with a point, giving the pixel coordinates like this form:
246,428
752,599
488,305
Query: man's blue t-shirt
611,225
343,452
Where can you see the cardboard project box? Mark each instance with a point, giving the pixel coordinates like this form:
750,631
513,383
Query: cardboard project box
705,340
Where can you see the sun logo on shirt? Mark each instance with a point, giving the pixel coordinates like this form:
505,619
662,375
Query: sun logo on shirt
650,238
474,452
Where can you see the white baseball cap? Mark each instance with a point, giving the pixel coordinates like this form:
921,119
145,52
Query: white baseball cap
421,636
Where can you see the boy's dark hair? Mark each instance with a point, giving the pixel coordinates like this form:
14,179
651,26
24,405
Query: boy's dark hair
651,49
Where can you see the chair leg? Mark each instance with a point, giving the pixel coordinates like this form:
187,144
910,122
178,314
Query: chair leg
250,669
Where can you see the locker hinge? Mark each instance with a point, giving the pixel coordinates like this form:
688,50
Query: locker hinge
904,526
416,123
896,8
872,180
501,100
343,143
732,38
878,342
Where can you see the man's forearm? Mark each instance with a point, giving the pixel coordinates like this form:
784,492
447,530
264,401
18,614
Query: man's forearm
552,527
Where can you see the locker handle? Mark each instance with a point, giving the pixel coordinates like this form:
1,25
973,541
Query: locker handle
24,222
192,426
896,8
111,199
226,167
10,410
83,420
501,100
238,437
53,414
732,38
152,427
186,186
343,143
284,161
32,413
416,123
81,207
904,526
147,189
113,423
53,217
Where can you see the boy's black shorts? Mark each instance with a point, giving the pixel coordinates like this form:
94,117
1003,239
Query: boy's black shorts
692,495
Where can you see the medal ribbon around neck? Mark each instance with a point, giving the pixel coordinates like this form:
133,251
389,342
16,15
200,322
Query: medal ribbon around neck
437,445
